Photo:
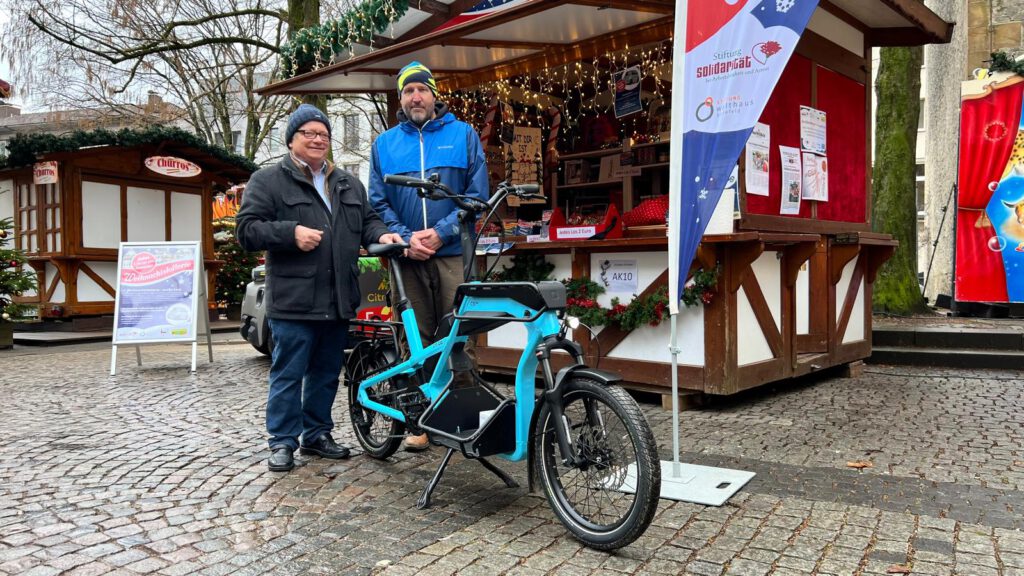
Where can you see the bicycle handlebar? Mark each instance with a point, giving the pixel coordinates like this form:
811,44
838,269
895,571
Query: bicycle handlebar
434,189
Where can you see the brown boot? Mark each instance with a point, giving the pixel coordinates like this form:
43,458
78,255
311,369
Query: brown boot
416,443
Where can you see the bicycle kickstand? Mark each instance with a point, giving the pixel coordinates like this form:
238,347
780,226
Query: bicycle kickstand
509,482
424,501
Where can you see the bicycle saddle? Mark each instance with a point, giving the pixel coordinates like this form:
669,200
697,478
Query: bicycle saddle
386,250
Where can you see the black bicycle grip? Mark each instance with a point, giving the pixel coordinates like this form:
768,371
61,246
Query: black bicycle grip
528,188
410,181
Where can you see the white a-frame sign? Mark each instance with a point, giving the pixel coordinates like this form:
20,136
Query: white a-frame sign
161,297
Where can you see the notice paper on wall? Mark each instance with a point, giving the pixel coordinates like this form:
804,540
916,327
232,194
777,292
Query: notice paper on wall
757,167
812,130
792,177
815,181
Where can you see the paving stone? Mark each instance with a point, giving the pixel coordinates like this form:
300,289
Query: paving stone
165,471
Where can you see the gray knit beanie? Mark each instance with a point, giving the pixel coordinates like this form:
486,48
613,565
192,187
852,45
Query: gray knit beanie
304,113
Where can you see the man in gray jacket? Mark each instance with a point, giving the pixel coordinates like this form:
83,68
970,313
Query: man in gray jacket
311,218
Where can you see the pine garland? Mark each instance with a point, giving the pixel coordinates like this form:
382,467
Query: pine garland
24,149
582,294
316,46
1003,62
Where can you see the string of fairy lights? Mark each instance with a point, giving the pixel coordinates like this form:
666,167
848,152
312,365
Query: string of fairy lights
578,89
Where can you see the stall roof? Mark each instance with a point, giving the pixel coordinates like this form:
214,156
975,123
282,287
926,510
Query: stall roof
528,34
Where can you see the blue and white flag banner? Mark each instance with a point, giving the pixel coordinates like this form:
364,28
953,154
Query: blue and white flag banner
723,74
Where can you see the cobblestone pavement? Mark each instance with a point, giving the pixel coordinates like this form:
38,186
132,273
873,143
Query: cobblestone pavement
158,471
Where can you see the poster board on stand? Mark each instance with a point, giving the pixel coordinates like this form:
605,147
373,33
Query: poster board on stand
160,297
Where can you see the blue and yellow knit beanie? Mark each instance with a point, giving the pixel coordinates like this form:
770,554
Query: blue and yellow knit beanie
416,72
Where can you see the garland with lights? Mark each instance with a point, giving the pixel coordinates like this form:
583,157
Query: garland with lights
24,149
315,46
14,279
582,294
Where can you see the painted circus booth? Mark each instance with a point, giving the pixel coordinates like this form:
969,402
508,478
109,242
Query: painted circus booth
75,198
990,191
580,95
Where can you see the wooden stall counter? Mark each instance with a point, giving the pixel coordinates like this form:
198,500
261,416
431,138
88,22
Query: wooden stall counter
784,304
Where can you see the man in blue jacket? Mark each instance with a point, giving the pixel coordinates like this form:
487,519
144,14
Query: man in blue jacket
428,140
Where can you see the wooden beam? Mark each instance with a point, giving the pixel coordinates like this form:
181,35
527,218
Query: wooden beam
936,29
654,6
738,258
437,17
478,43
877,256
841,256
793,257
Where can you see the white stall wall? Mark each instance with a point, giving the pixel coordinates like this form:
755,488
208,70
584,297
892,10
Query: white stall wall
7,200
803,300
650,343
146,215
751,344
513,334
186,216
831,27
89,290
101,215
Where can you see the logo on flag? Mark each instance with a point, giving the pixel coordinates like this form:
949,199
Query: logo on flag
733,55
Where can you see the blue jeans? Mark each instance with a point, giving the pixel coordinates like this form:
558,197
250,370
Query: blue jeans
307,360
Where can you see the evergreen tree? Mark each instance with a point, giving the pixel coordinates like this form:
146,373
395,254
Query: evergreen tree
14,279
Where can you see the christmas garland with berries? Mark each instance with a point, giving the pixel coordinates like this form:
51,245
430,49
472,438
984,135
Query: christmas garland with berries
582,294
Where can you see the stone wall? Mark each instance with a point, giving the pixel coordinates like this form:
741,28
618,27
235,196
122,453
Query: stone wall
942,117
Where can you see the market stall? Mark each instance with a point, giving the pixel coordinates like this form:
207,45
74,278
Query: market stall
782,282
74,199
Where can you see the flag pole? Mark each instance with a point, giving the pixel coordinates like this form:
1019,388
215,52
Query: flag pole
675,192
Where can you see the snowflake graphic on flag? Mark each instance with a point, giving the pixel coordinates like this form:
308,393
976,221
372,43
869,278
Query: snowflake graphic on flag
783,6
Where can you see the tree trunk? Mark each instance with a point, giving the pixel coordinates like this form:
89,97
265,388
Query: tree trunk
894,195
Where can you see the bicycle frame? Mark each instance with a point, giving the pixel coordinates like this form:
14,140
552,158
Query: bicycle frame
539,324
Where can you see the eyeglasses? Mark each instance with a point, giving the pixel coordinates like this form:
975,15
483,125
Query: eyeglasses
313,135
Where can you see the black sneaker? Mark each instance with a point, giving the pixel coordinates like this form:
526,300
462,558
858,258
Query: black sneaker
325,447
281,459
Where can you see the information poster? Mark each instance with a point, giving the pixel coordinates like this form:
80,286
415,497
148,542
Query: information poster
815,181
812,130
627,91
157,292
792,177
620,276
757,168
525,151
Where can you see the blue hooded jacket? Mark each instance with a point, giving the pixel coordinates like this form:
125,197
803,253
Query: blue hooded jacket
445,146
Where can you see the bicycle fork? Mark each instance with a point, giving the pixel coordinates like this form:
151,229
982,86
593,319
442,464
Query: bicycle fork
552,396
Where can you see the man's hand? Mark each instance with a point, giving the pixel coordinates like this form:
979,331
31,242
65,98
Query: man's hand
390,238
307,238
424,244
